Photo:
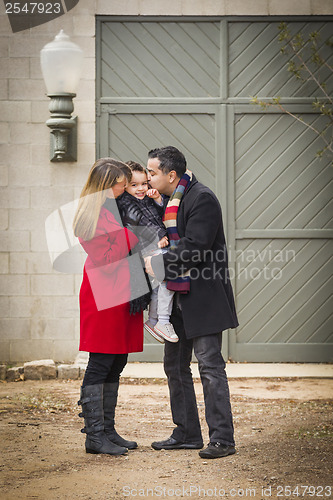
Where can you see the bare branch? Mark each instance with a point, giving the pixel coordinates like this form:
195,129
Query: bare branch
297,46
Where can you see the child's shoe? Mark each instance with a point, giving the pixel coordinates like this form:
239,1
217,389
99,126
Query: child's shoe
150,328
166,331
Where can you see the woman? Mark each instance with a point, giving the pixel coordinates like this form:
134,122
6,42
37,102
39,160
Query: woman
107,329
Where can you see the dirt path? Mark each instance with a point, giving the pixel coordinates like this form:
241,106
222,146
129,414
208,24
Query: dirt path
283,428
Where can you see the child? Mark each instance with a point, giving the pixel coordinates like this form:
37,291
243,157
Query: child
141,210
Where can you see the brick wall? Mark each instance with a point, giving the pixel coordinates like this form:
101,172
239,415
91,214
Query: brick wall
38,306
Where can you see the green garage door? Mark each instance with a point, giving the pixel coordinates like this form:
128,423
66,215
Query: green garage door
188,82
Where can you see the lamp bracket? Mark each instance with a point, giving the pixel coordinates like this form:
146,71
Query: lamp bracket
63,137
63,143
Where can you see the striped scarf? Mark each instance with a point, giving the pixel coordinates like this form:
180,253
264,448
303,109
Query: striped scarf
182,283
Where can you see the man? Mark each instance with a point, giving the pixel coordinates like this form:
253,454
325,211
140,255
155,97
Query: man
203,307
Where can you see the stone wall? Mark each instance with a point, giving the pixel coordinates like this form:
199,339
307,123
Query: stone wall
38,306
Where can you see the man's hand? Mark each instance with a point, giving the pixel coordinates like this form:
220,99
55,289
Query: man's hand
155,195
164,242
149,269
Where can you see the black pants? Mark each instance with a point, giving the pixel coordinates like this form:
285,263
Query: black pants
104,368
177,359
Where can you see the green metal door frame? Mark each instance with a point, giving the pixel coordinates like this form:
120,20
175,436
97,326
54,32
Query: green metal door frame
224,108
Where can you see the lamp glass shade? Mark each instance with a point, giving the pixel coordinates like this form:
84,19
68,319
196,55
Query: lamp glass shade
61,63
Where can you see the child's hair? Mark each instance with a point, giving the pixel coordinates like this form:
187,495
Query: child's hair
135,167
104,174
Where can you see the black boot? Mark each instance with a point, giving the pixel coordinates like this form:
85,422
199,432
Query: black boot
110,403
92,406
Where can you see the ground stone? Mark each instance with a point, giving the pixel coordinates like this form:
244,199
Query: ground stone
15,373
81,361
3,372
68,372
82,371
42,369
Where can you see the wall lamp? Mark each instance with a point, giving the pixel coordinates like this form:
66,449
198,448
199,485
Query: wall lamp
61,63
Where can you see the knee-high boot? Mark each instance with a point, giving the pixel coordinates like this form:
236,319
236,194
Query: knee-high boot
97,441
110,403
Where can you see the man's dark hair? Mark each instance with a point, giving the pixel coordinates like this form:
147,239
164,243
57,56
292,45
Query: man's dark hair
170,159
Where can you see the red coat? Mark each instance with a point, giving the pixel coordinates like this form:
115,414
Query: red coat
106,325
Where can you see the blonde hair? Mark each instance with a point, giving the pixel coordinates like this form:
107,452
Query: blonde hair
104,174
126,171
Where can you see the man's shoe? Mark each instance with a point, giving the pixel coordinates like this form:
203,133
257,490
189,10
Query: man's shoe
172,444
166,331
150,329
217,450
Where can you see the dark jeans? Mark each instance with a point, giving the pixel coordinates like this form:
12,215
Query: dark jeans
177,359
104,368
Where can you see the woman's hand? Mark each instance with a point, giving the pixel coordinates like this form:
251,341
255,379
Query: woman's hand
155,195
164,242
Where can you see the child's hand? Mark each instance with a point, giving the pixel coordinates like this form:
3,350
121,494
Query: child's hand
154,194
164,242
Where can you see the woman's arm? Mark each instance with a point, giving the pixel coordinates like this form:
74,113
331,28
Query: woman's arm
110,244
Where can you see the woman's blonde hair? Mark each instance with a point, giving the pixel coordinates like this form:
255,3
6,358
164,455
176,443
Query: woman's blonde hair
104,174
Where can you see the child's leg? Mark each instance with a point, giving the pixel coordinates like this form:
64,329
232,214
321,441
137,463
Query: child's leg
152,310
164,305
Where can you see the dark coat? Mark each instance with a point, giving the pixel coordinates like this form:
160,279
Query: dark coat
209,306
143,217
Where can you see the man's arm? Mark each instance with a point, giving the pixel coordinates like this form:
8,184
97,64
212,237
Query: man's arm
200,232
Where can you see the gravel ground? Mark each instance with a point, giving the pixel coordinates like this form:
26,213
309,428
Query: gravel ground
283,430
